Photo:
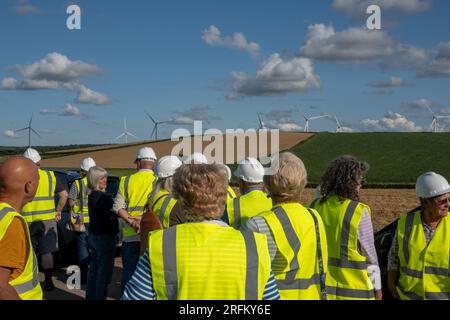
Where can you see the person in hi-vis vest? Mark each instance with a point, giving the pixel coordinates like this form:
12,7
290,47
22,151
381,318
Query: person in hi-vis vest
253,199
19,276
295,234
353,270
203,259
42,216
418,263
78,202
129,205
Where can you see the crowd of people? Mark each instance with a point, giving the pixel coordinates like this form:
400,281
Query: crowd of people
186,234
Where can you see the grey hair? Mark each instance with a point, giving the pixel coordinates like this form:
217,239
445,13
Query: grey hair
93,176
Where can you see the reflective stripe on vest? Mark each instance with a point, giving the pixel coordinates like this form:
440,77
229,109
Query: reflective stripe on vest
135,197
424,267
248,205
170,264
347,277
163,217
208,261
288,223
27,283
82,206
42,207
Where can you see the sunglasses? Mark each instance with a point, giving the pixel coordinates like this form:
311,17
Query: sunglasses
442,202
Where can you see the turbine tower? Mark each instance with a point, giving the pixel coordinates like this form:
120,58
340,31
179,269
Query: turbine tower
262,125
308,120
30,129
435,123
155,126
126,133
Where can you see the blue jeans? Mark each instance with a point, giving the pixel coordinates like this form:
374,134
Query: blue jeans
83,252
130,259
103,250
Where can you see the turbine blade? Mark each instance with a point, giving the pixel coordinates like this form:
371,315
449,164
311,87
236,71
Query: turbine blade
120,136
150,117
35,132
130,134
21,130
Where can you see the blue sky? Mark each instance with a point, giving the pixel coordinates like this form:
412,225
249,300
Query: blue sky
222,62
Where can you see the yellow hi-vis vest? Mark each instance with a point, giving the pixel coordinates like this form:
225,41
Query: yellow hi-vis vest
81,204
424,269
347,277
27,284
42,208
135,189
242,208
163,205
230,194
205,261
301,243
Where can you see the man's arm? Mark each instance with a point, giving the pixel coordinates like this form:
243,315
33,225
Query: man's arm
120,208
73,195
60,189
393,268
7,292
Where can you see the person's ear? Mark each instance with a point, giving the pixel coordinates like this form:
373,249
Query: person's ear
28,188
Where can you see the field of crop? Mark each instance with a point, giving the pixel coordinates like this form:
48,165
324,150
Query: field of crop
394,158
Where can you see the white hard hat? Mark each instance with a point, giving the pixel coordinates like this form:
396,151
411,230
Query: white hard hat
167,166
196,158
430,185
228,171
33,155
87,163
146,153
250,170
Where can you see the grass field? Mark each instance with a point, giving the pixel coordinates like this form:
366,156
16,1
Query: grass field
394,158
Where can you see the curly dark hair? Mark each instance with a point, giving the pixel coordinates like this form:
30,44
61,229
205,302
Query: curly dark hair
342,178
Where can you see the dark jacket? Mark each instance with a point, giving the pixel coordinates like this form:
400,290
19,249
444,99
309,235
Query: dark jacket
102,220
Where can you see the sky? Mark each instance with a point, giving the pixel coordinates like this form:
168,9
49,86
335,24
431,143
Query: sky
221,62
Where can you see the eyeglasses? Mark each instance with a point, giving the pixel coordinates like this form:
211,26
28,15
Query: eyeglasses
442,202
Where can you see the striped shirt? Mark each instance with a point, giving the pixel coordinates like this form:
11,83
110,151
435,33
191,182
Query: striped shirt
140,286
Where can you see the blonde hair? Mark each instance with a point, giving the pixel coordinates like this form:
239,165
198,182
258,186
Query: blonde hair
288,183
201,190
93,177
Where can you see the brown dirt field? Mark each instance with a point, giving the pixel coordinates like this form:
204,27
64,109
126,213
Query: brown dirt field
386,204
123,158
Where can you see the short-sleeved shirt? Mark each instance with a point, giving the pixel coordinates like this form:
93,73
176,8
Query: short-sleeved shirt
14,248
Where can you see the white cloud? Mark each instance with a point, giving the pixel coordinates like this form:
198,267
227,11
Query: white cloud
439,64
87,95
197,113
420,104
277,76
360,45
26,9
212,36
282,120
384,87
56,71
71,111
10,134
391,122
357,8
46,111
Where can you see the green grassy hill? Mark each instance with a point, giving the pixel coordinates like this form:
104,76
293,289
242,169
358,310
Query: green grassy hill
394,158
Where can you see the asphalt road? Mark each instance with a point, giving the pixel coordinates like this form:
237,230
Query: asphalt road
62,292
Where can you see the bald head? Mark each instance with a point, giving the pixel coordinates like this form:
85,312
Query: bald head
19,179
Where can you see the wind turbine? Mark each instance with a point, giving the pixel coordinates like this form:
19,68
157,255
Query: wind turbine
30,129
155,125
262,125
435,123
126,133
307,120
338,125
